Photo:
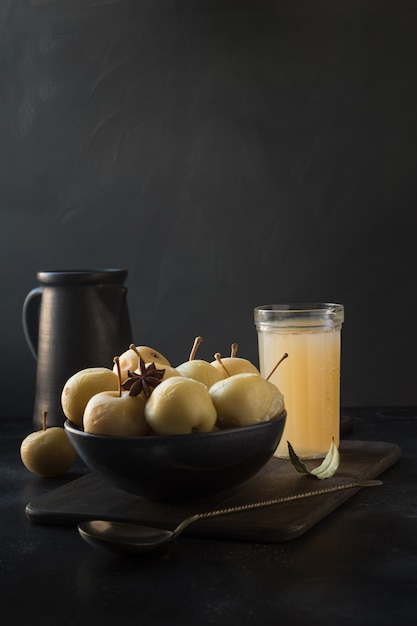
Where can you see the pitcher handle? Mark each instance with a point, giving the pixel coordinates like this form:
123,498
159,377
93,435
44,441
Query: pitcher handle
30,319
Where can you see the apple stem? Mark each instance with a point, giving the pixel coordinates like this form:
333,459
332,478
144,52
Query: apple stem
284,356
217,356
45,413
119,374
234,350
197,342
136,351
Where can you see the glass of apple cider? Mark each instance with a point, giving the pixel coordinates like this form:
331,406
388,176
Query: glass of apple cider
310,377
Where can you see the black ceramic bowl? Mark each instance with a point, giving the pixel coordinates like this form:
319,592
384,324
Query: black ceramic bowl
179,467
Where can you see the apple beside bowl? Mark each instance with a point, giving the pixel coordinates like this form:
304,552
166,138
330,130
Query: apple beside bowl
180,467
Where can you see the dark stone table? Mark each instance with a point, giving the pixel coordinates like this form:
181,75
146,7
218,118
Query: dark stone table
357,566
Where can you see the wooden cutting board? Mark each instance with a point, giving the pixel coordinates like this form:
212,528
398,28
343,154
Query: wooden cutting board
89,497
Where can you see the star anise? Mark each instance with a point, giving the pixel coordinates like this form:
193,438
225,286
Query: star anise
145,380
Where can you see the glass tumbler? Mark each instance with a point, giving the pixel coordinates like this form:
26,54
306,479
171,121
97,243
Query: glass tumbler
310,333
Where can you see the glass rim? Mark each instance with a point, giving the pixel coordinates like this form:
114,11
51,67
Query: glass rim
302,307
299,314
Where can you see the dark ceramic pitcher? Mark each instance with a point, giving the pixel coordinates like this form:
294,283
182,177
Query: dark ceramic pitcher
75,319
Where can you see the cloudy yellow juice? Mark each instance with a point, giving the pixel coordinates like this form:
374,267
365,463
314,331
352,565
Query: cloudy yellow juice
310,381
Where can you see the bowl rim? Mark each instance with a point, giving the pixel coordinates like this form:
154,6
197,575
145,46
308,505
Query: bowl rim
78,430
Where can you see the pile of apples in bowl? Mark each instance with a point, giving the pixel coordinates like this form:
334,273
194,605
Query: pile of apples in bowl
173,433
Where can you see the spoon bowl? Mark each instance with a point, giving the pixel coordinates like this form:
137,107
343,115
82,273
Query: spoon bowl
122,537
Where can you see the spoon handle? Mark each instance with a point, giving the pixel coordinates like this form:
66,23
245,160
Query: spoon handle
264,503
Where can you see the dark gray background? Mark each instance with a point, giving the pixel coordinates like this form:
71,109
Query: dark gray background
227,154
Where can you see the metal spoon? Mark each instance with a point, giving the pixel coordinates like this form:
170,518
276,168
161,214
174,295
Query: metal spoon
125,537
